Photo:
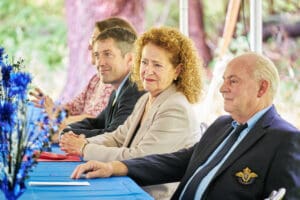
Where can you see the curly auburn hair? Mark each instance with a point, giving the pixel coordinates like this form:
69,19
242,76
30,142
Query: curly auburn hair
182,51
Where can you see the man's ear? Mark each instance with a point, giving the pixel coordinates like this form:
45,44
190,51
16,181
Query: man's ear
129,58
263,88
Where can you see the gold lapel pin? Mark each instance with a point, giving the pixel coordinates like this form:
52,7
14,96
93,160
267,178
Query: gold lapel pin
246,177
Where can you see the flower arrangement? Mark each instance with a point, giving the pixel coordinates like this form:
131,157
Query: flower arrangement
20,136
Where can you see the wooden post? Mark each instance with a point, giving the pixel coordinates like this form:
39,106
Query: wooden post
230,22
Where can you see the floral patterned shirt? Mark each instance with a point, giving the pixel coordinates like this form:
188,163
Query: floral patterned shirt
92,100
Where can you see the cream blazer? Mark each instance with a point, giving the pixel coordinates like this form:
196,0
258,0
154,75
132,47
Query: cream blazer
171,124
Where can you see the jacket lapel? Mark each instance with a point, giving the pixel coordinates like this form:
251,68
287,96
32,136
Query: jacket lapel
110,109
252,137
206,149
162,97
258,131
214,135
151,113
136,118
114,101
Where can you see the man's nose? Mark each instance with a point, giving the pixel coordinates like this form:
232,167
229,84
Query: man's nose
223,87
101,62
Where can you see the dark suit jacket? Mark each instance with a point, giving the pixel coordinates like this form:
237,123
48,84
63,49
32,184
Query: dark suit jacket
271,150
112,116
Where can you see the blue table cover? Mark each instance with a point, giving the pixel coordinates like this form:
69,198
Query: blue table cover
114,188
102,188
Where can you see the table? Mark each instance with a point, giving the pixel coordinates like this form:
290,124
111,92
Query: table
114,188
105,188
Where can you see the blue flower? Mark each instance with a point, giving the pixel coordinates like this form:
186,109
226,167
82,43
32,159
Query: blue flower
19,134
19,84
7,112
1,54
6,72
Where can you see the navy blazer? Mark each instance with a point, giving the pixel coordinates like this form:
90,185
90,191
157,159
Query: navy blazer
267,159
112,116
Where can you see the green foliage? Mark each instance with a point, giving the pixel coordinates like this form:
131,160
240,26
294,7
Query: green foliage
214,18
282,5
34,30
160,13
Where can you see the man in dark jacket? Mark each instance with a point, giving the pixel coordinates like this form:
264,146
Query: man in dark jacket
113,51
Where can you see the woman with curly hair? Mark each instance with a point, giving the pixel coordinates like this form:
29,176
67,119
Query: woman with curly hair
163,120
182,56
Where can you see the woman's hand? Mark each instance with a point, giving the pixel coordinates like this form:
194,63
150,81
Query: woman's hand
72,143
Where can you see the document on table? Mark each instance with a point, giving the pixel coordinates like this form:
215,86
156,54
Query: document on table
66,183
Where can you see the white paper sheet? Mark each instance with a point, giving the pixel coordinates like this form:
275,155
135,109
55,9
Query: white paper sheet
72,183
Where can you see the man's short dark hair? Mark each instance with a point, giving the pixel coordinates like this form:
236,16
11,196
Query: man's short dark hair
124,38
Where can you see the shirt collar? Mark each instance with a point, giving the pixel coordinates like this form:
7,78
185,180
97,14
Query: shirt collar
252,121
121,85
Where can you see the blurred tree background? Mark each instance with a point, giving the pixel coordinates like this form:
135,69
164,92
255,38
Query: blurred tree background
36,30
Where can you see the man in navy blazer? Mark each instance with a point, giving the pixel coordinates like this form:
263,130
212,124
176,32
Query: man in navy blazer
113,50
115,113
265,157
